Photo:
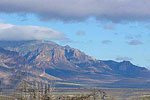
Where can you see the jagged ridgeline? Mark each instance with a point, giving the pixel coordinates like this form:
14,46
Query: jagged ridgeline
46,60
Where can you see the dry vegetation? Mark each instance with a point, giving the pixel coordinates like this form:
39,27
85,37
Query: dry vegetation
43,91
46,94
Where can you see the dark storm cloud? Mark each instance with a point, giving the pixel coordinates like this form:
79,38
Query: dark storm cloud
79,10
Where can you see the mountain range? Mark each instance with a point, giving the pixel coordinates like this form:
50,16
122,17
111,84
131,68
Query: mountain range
46,60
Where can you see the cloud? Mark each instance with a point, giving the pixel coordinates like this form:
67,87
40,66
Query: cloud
116,33
134,39
109,27
131,37
80,32
14,32
106,42
124,59
134,42
74,10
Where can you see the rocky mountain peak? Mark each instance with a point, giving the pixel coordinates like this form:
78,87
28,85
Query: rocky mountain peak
69,63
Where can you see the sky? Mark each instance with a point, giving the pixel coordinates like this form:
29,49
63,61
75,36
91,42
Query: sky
105,29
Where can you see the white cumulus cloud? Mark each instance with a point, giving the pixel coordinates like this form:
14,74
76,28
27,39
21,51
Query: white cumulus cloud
14,32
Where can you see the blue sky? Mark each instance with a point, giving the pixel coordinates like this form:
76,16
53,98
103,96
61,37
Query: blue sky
119,38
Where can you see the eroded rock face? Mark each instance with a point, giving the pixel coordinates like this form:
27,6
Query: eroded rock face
76,56
10,62
11,59
58,55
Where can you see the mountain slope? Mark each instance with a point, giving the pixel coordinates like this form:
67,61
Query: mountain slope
73,65
10,63
15,68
